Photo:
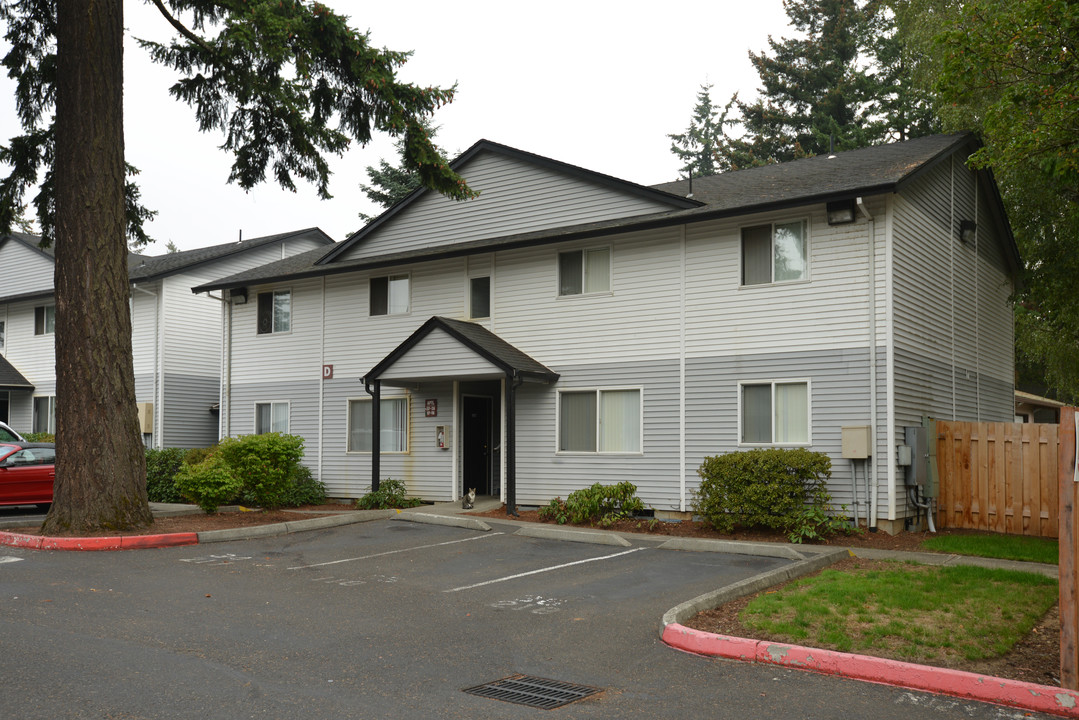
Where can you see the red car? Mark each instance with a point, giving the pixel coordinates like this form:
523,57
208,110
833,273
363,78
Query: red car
26,473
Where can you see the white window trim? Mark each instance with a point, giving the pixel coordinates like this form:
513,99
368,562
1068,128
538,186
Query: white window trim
389,314
772,260
597,389
773,382
408,429
50,425
468,295
291,312
271,403
583,250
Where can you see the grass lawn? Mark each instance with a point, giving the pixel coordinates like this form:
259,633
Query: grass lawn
1006,547
917,613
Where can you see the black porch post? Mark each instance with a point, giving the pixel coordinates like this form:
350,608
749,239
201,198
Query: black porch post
376,430
511,444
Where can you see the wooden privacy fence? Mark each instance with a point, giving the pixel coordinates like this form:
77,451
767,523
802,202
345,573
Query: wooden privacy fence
1000,477
1069,552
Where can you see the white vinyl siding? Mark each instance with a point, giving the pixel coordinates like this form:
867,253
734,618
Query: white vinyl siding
33,271
515,197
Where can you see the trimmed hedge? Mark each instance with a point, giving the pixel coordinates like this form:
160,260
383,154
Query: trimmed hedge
782,489
161,469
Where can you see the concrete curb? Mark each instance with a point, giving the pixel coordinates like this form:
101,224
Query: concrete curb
954,683
681,613
136,542
581,536
736,548
450,520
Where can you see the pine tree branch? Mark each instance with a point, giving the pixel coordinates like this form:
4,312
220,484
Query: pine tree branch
180,28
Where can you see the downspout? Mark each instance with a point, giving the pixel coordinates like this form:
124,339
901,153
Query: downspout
322,382
682,377
510,441
225,362
375,391
157,360
871,474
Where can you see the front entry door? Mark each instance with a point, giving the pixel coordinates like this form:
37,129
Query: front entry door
476,445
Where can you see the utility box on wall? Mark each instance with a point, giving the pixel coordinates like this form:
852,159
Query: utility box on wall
856,444
146,417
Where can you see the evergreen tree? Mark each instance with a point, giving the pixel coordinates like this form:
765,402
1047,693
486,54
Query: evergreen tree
286,82
390,184
842,85
699,146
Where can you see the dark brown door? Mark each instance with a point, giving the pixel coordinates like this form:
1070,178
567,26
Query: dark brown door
476,445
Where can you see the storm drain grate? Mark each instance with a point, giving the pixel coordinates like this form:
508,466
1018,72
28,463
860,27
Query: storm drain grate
533,691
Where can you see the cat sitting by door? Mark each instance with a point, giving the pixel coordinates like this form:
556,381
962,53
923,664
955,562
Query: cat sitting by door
469,501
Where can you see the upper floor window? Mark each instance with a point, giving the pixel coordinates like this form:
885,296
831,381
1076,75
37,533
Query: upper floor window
775,413
479,297
390,295
275,312
271,417
584,271
44,319
599,420
774,253
1,335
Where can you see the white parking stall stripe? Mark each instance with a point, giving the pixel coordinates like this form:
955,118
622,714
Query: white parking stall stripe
543,570
394,552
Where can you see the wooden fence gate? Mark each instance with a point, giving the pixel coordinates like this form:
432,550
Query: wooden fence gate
999,477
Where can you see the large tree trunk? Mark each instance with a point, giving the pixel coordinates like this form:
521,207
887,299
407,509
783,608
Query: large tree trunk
101,466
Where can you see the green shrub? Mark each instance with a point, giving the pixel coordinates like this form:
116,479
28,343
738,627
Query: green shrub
782,489
161,469
208,484
264,464
391,493
195,456
304,489
39,437
596,505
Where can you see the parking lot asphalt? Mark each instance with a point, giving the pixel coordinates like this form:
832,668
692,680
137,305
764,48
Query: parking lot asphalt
550,571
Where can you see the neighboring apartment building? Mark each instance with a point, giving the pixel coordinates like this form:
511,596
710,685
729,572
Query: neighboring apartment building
568,327
176,336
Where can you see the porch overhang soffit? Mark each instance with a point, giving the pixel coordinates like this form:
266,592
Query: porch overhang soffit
444,348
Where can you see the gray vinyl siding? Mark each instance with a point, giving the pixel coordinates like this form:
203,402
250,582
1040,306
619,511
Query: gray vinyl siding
839,395
543,473
953,321
515,197
303,410
426,470
189,422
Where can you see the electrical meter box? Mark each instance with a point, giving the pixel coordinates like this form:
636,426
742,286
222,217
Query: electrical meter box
920,472
856,442
146,417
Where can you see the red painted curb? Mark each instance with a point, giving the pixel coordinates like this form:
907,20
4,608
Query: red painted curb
956,683
125,542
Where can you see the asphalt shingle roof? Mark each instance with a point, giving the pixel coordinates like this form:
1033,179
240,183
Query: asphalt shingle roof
844,175
12,379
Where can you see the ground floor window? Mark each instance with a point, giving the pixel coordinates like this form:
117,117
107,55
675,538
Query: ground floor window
5,405
45,414
601,420
271,417
775,413
393,436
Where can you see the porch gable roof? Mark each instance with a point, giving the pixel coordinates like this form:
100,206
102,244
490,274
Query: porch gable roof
12,379
479,340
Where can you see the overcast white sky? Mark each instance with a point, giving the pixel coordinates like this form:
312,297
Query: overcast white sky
595,84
